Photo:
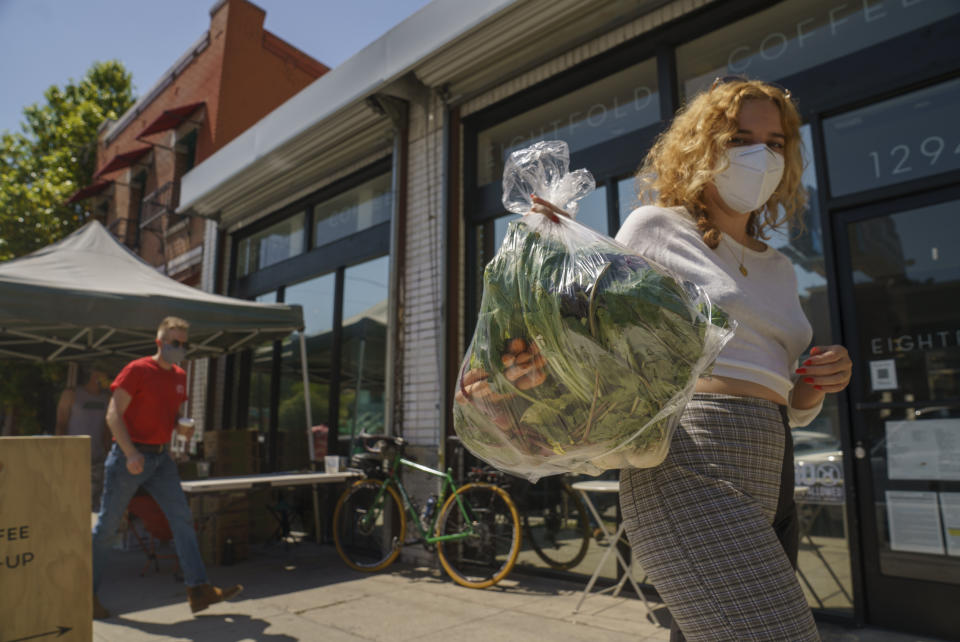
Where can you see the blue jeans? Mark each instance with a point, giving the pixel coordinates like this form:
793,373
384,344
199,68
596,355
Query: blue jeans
161,479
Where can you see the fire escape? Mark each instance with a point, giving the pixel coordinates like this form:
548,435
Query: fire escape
158,216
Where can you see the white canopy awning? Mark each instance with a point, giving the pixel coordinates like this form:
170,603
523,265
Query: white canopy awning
88,296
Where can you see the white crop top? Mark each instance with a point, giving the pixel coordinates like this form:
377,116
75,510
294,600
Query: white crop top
772,329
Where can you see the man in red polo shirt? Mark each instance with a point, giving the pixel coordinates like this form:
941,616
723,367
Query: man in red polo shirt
142,416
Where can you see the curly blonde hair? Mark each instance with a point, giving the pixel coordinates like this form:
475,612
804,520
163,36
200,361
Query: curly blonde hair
686,157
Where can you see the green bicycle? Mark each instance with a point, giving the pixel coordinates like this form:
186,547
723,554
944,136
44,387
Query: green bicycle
476,531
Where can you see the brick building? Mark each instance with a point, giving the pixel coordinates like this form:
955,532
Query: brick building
235,74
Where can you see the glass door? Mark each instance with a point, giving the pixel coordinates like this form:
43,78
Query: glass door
900,280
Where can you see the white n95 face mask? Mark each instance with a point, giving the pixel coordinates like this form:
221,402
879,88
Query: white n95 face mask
751,178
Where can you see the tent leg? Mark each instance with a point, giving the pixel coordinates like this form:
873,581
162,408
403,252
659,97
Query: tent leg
309,416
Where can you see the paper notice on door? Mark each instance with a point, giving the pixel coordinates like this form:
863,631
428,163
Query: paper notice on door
914,519
923,449
950,507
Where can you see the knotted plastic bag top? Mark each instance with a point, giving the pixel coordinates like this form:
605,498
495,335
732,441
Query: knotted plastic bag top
544,169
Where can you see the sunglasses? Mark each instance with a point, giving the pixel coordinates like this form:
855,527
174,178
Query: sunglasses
723,80
179,344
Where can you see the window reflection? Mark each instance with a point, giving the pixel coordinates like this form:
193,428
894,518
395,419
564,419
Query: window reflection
893,141
272,245
621,103
261,366
364,347
593,210
316,296
907,265
355,210
799,34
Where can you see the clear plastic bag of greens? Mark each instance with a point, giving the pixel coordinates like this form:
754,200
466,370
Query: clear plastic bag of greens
584,353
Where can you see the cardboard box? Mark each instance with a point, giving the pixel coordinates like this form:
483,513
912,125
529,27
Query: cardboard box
223,526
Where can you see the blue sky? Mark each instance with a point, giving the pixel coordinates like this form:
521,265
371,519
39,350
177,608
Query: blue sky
47,42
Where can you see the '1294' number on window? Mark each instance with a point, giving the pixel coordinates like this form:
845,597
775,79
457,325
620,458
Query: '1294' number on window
931,148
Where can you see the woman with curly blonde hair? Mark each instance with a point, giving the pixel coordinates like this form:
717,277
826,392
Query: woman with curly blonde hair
684,160
714,526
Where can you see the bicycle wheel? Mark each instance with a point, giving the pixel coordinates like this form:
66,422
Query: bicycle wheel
559,531
488,555
368,530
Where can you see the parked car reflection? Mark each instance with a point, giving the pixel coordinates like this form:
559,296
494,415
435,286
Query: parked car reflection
818,467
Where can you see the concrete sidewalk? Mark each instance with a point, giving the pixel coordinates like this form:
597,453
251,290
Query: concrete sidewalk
307,593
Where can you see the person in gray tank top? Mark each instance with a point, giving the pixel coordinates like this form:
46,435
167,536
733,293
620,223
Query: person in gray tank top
83,411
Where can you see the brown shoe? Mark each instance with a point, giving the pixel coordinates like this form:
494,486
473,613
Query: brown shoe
204,595
99,611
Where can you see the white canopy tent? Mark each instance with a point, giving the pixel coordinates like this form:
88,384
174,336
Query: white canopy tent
89,297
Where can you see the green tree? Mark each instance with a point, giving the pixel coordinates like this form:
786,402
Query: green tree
55,154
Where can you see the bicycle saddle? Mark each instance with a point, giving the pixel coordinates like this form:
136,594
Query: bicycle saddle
379,441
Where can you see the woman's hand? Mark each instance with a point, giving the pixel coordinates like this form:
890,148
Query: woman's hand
547,208
523,366
827,369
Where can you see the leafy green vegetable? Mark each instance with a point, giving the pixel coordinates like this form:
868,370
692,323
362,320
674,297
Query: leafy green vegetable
622,342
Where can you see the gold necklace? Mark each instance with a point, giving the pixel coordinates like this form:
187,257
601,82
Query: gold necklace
743,248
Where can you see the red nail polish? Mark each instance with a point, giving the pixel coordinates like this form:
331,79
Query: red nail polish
819,387
814,351
808,379
801,370
808,362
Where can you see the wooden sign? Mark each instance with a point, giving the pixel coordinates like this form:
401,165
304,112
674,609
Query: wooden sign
46,572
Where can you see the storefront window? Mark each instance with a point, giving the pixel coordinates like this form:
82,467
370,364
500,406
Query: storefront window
316,296
896,140
274,396
621,103
261,366
800,34
364,348
824,559
272,245
355,210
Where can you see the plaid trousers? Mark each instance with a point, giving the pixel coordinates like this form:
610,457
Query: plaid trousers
701,525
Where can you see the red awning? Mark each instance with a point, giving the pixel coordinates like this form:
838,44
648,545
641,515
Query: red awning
88,191
170,118
125,159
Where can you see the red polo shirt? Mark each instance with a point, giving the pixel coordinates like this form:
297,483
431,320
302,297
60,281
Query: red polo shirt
155,397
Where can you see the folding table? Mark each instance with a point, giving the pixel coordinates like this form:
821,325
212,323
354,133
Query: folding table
271,480
599,486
